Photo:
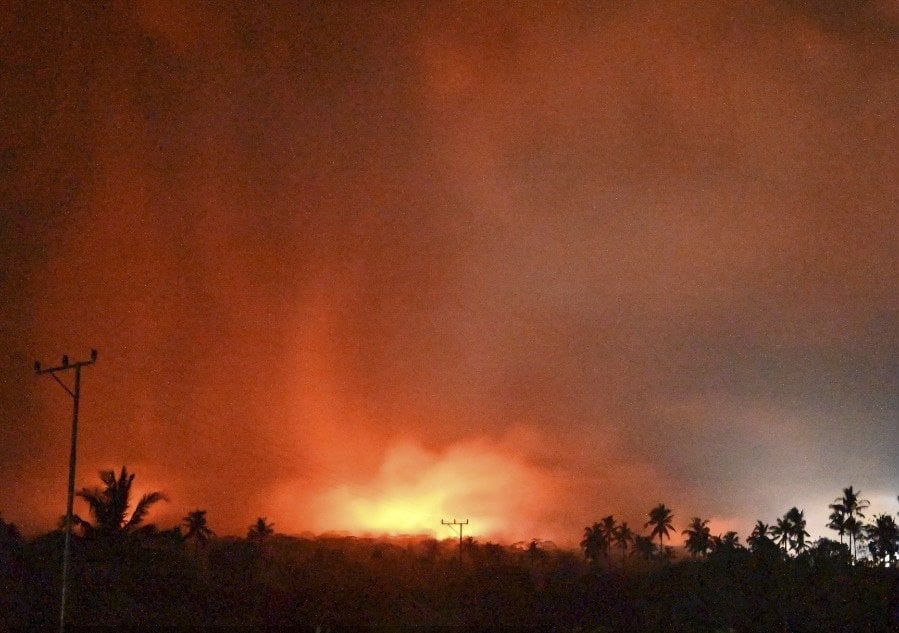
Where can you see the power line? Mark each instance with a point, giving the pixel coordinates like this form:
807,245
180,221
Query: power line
75,393
453,524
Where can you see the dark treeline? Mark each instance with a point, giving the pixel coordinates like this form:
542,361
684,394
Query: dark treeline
129,574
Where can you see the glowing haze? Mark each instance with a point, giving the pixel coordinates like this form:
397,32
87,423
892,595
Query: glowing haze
363,269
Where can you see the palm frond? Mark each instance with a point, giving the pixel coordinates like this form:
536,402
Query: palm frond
108,478
143,506
96,503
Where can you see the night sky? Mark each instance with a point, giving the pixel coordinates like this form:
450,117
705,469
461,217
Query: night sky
364,269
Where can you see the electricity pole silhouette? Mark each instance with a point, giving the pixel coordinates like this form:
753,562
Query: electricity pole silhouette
454,523
75,392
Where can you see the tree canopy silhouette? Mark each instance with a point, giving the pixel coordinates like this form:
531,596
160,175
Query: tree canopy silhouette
849,510
643,546
260,530
698,537
9,531
837,519
727,542
760,538
594,542
796,519
109,506
623,537
660,518
608,532
883,538
781,532
197,530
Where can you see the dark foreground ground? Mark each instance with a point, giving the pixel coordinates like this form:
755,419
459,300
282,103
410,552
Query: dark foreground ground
157,581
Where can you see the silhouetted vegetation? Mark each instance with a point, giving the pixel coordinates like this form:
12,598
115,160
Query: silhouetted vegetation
149,578
110,507
660,518
260,530
196,528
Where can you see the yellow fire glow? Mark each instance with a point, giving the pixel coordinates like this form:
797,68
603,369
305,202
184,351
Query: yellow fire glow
416,489
397,514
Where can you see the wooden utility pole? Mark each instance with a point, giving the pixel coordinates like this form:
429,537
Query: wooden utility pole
453,524
75,392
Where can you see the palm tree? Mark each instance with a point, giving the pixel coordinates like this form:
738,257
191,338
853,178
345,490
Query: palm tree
728,542
623,536
852,506
698,540
109,506
260,530
660,519
856,531
759,536
782,531
643,546
796,518
883,538
759,531
197,528
837,519
608,532
593,543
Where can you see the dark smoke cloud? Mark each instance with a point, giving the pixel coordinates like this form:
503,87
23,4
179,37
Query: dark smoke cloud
631,252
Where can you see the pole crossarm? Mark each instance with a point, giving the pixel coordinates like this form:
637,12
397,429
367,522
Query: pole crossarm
64,366
453,524
49,370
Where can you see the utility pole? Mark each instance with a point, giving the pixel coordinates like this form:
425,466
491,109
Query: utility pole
75,392
453,524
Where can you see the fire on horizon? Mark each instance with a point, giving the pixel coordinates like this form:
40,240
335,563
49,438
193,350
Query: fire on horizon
365,269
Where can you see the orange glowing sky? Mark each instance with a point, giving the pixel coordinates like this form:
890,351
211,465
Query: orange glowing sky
363,269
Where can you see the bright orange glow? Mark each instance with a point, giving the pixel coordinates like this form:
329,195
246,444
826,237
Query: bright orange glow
404,514
416,488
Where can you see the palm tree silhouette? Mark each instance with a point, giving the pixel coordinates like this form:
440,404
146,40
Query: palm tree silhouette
728,542
623,536
698,537
260,530
608,532
643,546
759,536
883,538
197,529
593,542
855,529
796,519
852,507
837,519
109,506
782,532
660,519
